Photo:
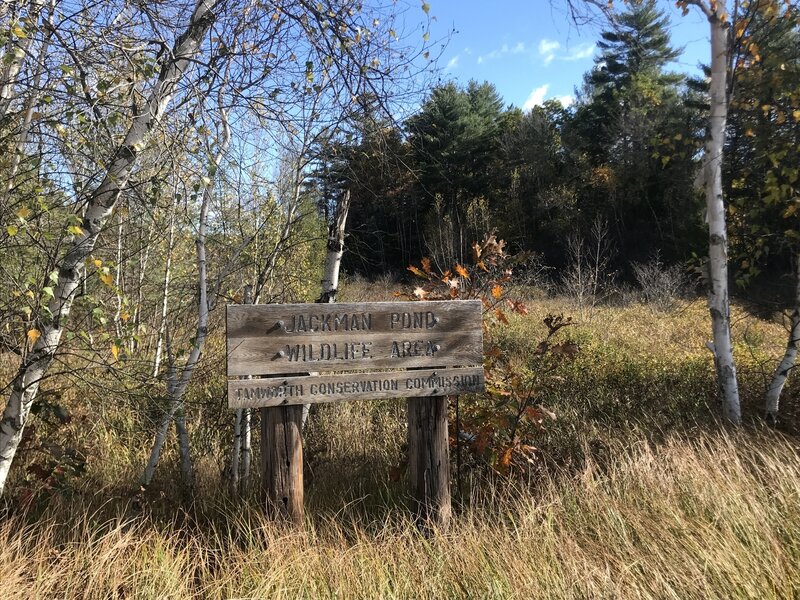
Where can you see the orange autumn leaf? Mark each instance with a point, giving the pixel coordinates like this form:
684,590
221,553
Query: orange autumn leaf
497,291
462,271
33,335
505,459
426,265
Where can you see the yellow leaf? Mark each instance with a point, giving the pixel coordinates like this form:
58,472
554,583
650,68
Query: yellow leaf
18,31
125,316
426,7
12,230
497,291
107,278
75,230
24,212
462,271
796,115
416,271
33,335
115,351
97,263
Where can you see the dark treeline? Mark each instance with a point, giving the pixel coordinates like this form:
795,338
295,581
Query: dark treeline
626,155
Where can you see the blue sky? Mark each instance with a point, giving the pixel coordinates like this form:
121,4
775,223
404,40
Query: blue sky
531,51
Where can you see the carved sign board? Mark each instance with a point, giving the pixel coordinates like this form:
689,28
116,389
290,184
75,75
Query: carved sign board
292,340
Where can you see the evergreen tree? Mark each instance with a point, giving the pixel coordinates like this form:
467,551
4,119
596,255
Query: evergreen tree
635,137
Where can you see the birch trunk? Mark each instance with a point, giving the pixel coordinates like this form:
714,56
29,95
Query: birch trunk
99,207
333,263
177,384
247,438
718,300
27,116
183,446
333,258
773,395
236,451
14,55
162,327
118,279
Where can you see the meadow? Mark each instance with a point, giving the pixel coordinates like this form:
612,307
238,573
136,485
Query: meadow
635,490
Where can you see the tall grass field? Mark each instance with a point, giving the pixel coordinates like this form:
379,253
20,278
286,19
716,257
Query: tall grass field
635,491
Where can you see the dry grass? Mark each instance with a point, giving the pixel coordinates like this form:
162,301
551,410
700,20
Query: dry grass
713,517
638,494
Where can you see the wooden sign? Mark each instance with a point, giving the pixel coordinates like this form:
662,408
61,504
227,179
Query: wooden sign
293,340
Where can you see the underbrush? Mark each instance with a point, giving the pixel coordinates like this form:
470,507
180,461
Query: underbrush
710,516
634,489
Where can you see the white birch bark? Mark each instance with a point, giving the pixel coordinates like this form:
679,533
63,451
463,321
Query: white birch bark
118,279
247,453
333,263
100,205
13,59
183,446
144,257
335,250
718,299
789,360
177,383
27,115
236,451
162,327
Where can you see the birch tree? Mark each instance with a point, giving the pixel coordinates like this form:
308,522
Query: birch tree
720,89
721,345
99,207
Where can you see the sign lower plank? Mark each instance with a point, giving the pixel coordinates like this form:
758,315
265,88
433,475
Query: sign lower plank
298,338
278,391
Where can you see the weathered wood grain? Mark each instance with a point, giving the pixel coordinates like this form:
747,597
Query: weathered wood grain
282,462
278,391
288,323
429,461
259,356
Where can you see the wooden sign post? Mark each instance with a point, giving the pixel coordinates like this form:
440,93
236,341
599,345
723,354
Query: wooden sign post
424,351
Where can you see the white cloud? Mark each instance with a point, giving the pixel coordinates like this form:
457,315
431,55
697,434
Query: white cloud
452,63
536,97
547,50
580,52
566,101
505,49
